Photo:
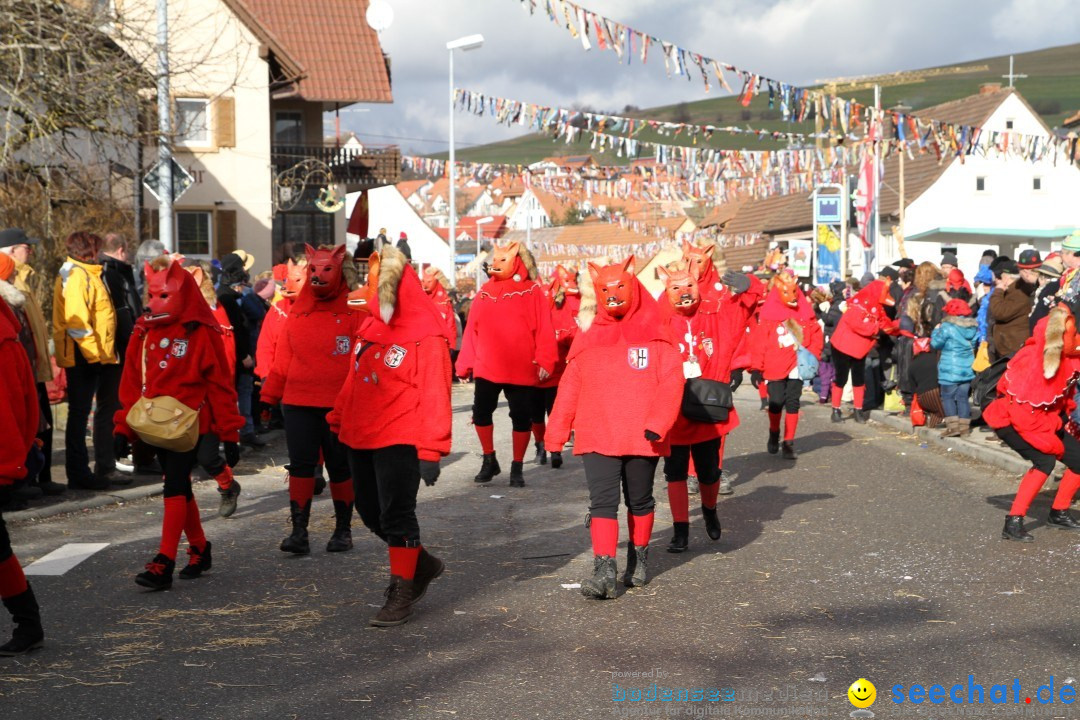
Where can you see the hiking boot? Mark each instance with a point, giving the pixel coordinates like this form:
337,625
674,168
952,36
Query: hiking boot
541,454
637,566
1014,529
1062,520
297,542
837,416
861,416
400,596
341,539
773,446
517,474
963,427
952,427
712,523
117,479
428,567
556,460
488,469
680,540
27,634
602,583
726,478
228,499
787,450
158,573
199,561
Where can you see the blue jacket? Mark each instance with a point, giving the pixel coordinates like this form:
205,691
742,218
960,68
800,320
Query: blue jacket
956,337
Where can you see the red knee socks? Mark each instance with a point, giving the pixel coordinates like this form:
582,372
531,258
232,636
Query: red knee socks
538,431
343,491
224,478
172,525
12,579
1070,483
642,529
521,444
403,561
1030,485
679,500
774,422
193,526
791,423
708,494
837,394
486,434
763,390
301,489
859,393
605,535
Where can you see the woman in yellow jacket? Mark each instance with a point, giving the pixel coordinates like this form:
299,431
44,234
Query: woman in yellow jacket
84,331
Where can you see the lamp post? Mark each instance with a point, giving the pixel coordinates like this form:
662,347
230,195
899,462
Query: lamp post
479,244
469,42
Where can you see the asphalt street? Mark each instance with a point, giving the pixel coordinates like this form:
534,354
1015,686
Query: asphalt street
871,556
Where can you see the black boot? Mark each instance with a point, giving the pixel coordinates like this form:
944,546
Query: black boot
541,454
400,596
1062,519
773,446
680,540
198,562
637,565
341,540
27,634
788,450
837,416
602,583
428,567
556,460
861,416
298,542
712,523
489,469
228,499
1014,529
158,573
517,474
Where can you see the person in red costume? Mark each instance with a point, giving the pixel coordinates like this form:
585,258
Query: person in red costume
785,322
393,415
295,277
18,426
708,333
437,286
564,295
310,364
854,338
508,347
1032,415
177,351
620,393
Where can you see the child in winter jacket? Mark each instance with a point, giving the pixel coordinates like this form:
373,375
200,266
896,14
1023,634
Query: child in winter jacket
956,337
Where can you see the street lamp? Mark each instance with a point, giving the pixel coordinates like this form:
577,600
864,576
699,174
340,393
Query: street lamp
479,244
469,42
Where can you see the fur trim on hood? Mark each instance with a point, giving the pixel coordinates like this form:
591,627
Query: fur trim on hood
1055,341
12,295
528,261
961,320
587,310
391,266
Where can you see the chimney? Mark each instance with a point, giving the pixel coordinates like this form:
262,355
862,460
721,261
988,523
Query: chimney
989,88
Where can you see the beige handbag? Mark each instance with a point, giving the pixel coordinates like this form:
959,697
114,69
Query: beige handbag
163,422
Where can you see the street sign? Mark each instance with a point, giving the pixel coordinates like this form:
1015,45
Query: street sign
181,180
463,258
828,209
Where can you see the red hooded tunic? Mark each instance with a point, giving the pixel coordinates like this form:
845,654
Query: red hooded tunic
397,388
564,319
18,400
772,346
442,301
227,338
268,336
857,331
185,359
623,377
509,335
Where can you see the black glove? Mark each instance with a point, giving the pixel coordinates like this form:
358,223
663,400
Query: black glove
755,378
738,282
232,454
736,380
121,446
651,436
429,472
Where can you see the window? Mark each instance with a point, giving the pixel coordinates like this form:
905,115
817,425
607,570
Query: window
1036,183
980,184
288,128
1009,124
193,236
192,121
292,229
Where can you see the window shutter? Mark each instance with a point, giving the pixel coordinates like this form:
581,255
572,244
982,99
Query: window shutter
226,232
225,122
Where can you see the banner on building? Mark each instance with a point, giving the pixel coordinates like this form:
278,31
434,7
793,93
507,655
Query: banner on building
827,260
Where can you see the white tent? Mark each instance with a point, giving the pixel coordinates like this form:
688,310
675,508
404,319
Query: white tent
388,209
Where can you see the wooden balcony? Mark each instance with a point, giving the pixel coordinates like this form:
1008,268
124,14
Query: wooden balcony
357,169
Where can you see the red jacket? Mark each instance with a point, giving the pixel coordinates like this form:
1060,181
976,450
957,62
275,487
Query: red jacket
18,401
268,337
564,320
857,331
509,335
397,388
772,345
227,338
445,306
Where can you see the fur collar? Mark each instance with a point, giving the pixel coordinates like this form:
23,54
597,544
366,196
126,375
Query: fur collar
961,321
587,310
528,260
12,295
391,267
1055,341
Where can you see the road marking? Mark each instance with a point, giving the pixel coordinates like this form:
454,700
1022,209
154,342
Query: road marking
63,558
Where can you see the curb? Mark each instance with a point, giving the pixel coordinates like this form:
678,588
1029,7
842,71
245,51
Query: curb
95,501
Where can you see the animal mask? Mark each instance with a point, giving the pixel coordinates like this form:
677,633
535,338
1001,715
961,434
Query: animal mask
788,287
504,262
324,270
430,280
614,286
366,297
682,290
295,277
567,280
698,259
164,296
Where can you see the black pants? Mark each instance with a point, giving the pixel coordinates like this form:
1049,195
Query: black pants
87,382
784,395
386,482
46,435
706,461
1043,462
609,478
543,400
208,454
5,540
177,467
486,399
844,363
307,432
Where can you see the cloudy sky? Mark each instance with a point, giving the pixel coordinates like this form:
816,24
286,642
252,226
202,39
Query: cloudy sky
799,41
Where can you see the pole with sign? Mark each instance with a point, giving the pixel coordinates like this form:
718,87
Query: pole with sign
830,233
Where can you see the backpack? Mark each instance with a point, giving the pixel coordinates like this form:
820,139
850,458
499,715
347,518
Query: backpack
984,386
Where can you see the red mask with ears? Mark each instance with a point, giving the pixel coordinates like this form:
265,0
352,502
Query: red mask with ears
430,280
567,280
698,259
295,277
682,290
614,286
788,287
366,297
886,296
324,270
504,262
163,290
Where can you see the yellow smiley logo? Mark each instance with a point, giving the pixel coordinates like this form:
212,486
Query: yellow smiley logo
862,693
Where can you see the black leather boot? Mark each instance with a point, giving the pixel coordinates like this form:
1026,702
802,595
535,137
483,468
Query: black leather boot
637,565
228,499
1062,520
297,542
517,474
428,567
861,416
158,573
26,615
602,583
541,454
773,446
788,450
488,469
1014,529
680,540
341,540
198,562
556,460
837,416
712,523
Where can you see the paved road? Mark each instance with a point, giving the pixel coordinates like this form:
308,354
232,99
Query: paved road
869,557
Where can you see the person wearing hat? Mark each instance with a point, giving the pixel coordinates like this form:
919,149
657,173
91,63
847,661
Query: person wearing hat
904,264
403,245
948,262
987,257
956,338
1050,283
1011,303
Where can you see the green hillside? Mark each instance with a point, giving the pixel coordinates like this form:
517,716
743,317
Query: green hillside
1052,87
